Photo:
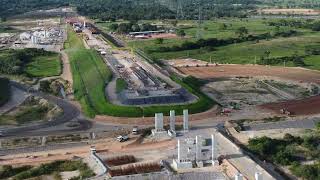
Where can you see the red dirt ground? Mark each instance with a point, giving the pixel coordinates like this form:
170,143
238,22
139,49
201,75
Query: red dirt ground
297,107
295,74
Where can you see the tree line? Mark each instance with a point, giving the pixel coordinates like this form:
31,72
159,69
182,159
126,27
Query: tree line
243,36
297,23
147,9
124,28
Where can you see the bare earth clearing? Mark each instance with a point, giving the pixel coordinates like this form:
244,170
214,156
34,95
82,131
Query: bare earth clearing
297,107
290,11
295,74
109,146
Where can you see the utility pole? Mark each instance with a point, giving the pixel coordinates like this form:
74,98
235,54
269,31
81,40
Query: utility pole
180,14
199,30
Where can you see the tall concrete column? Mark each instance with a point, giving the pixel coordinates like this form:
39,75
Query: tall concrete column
213,142
158,121
93,135
43,141
258,176
185,120
197,149
238,176
172,121
179,155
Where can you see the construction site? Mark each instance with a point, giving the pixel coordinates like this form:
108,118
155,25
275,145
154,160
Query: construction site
250,101
146,84
165,152
41,34
237,93
238,87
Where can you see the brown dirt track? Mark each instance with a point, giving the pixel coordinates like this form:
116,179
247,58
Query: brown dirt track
297,107
294,74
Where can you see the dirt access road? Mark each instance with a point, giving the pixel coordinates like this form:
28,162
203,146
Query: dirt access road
66,72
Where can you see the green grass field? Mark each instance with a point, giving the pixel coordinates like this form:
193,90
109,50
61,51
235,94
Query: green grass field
249,52
239,53
313,62
210,29
90,76
44,66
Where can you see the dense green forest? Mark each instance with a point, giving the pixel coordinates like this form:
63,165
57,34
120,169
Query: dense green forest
151,9
14,7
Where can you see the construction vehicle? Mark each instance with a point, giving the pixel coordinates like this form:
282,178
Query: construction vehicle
225,111
285,111
122,138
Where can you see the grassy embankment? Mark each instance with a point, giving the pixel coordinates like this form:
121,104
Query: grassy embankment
90,76
238,53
